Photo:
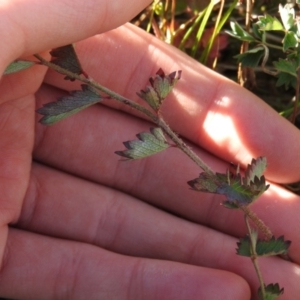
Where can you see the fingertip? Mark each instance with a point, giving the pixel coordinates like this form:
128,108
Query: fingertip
181,281
33,26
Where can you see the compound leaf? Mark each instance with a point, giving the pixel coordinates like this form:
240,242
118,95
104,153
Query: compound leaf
66,58
237,190
147,144
18,65
218,183
273,291
68,105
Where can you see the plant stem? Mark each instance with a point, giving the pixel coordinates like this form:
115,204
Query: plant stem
96,85
295,110
153,117
257,221
179,142
254,259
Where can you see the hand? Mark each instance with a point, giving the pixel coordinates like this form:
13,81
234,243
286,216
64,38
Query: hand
84,225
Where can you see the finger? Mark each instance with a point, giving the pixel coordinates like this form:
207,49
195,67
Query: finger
16,143
21,84
34,26
84,145
38,267
122,224
206,108
16,137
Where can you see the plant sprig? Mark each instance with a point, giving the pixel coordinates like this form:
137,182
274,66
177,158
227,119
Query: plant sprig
286,69
239,191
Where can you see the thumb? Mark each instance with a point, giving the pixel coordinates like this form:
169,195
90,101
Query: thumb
31,26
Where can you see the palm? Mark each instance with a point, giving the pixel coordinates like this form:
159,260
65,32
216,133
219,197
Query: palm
82,221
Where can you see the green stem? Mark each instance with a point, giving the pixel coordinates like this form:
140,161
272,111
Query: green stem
153,117
255,260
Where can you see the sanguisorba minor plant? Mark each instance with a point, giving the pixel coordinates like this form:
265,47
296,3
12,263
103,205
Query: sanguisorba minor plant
239,191
286,68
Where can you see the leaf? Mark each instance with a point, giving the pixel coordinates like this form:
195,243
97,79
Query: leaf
237,190
287,80
207,183
218,184
66,58
260,34
287,66
18,65
269,23
244,247
255,169
239,33
147,144
273,291
251,58
290,40
272,246
263,248
294,57
161,86
288,72
68,105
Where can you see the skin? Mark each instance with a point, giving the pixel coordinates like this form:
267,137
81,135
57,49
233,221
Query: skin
76,223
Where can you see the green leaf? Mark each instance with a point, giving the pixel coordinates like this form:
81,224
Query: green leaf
239,33
244,247
287,80
66,58
294,57
286,66
260,34
255,169
147,144
68,105
251,58
287,69
269,23
272,247
287,14
290,40
18,65
219,184
273,291
237,190
262,247
161,86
